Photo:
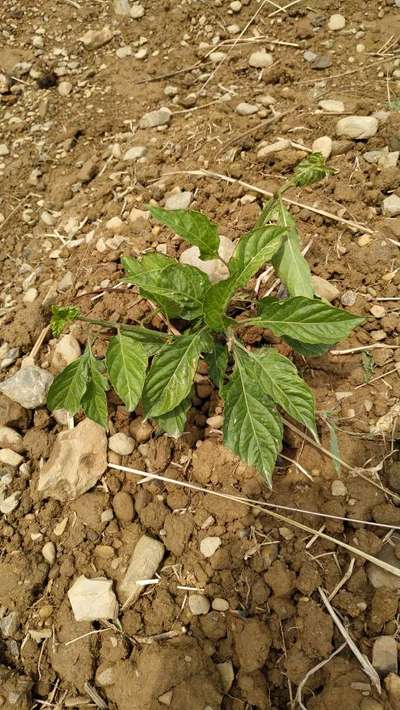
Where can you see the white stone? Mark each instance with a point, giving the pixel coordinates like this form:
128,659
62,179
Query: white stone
66,351
338,488
93,599
236,6
178,200
93,39
357,127
64,88
384,655
245,109
391,206
122,7
324,289
216,422
144,563
268,150
30,295
136,152
336,22
332,106
155,118
137,11
3,150
260,59
49,552
171,91
378,311
66,282
216,57
10,439
7,505
121,444
10,457
198,604
138,216
166,698
9,624
215,269
105,677
323,145
28,387
123,52
209,545
77,461
219,604
115,225
309,56
141,53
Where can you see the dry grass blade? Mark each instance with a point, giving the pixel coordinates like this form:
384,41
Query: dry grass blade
312,671
344,579
267,193
265,508
368,669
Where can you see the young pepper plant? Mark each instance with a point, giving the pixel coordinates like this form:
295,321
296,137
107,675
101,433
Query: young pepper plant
158,369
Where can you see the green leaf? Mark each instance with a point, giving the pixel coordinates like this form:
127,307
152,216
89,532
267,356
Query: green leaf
252,425
68,388
94,399
193,226
178,289
253,250
310,170
280,380
171,374
289,263
150,340
61,315
126,364
217,361
173,423
305,319
308,349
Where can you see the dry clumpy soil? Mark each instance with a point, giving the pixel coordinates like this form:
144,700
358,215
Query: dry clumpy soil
69,113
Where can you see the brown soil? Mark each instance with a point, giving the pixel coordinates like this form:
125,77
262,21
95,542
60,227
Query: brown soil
63,179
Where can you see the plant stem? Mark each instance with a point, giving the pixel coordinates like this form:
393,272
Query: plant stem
111,324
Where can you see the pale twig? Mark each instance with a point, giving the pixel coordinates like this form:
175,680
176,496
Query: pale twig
344,579
267,193
311,672
94,695
284,8
20,203
379,377
30,359
261,506
376,346
90,633
346,73
368,669
297,464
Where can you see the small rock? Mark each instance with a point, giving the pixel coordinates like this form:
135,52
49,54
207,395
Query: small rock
178,200
336,22
198,604
122,7
66,351
378,311
30,295
215,269
380,577
141,430
49,552
309,56
137,11
260,59
64,88
267,100
209,545
121,444
93,599
216,422
9,504
321,61
171,91
66,282
391,206
77,460
276,147
9,624
338,488
384,655
123,52
5,83
28,387
153,119
364,240
227,675
245,109
332,106
144,562
10,439
138,217
235,6
123,506
8,457
348,298
357,127
323,145
136,152
115,225
219,604
216,57
324,289
93,39
3,150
